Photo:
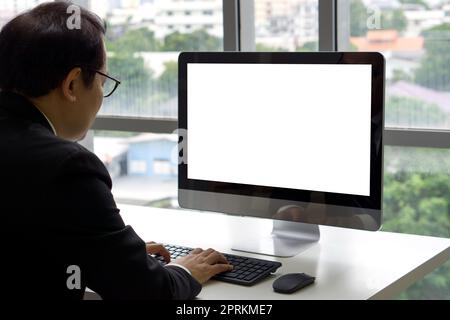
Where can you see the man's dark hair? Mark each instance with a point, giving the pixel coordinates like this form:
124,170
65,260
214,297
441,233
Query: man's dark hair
38,49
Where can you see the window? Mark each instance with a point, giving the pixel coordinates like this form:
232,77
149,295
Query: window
145,37
11,8
143,166
163,167
143,43
286,25
414,37
417,185
415,41
416,200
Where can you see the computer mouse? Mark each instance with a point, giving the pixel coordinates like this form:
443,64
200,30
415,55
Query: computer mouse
291,282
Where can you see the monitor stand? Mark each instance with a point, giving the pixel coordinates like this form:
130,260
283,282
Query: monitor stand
286,240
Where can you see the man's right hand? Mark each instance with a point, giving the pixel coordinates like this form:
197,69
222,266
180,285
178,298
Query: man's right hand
204,264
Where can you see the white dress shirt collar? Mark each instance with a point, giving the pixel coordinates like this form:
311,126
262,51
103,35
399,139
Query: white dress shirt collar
49,122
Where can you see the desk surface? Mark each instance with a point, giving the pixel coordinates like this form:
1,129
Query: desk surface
347,264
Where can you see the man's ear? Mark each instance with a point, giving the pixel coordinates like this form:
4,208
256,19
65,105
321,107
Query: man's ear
71,84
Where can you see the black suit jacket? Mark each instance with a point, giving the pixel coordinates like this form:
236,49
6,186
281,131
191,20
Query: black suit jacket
57,211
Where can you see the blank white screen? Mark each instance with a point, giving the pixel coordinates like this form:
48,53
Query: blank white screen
297,126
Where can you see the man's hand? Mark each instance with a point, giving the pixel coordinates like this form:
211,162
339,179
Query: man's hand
158,249
204,264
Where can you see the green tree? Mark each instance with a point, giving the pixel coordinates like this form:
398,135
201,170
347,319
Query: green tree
394,19
358,18
309,46
421,2
359,15
134,91
261,47
168,80
416,200
400,74
199,40
409,112
135,40
434,70
134,95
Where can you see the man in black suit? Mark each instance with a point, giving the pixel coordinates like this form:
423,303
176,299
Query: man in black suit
58,213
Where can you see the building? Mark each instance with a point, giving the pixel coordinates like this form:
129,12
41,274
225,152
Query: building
143,168
306,22
286,24
11,8
419,20
113,153
186,16
100,7
383,4
167,16
412,90
387,40
446,9
403,53
17,6
267,9
153,155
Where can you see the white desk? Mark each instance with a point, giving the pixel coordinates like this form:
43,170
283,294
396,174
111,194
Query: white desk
348,264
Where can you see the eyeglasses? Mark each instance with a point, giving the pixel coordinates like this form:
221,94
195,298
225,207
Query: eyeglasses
110,85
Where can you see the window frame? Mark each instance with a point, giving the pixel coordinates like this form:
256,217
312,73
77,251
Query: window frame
239,35
404,137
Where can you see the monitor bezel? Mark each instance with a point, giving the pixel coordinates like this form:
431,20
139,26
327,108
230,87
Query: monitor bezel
374,201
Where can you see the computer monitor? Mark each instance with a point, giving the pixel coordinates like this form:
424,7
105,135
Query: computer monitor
292,137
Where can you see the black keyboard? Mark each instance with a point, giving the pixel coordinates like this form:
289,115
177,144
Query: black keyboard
246,271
